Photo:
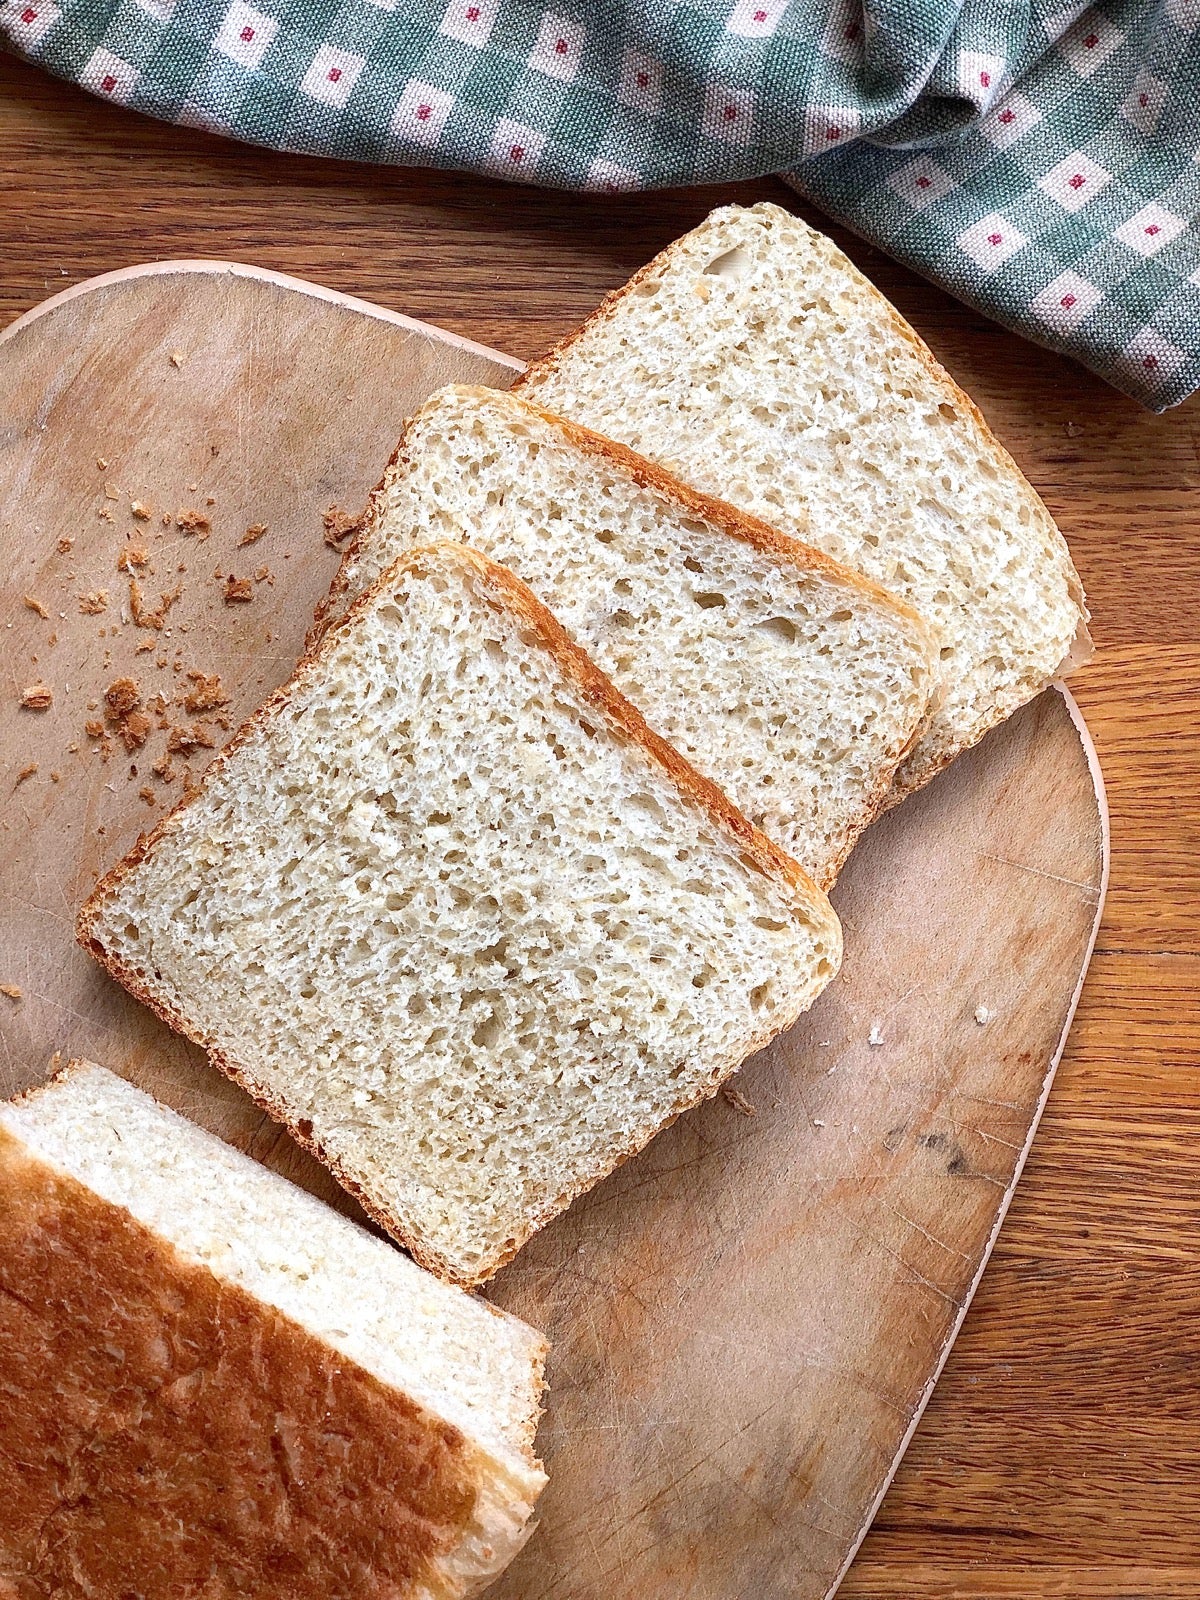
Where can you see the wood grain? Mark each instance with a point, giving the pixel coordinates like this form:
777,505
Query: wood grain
86,187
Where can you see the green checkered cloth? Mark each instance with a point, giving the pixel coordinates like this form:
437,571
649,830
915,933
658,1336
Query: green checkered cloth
1038,159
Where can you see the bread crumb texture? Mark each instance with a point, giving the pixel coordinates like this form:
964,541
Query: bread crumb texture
753,360
792,685
161,1425
37,697
442,910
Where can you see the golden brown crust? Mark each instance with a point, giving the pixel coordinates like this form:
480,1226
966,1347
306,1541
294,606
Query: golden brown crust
600,693
161,1424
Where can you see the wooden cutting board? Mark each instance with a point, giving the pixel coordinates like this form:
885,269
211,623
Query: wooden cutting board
747,1319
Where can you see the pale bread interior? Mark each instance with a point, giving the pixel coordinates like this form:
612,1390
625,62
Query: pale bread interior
448,909
753,360
794,686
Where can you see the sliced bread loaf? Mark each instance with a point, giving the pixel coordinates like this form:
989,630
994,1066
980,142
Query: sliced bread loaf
794,684
451,911
214,1384
754,361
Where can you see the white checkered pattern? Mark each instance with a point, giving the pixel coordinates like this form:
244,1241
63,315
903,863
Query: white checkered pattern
246,34
106,74
843,34
1150,229
332,76
27,22
469,21
756,19
921,182
558,49
1074,181
1184,14
160,10
1153,357
728,114
515,149
640,86
421,113
1090,42
1010,120
606,177
1143,104
991,241
1063,304
826,127
980,76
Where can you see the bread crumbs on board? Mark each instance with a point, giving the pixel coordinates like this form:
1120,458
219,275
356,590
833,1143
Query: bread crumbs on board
94,602
32,603
183,740
37,697
141,511
339,525
207,694
13,991
65,546
237,590
26,772
189,520
132,556
147,794
252,534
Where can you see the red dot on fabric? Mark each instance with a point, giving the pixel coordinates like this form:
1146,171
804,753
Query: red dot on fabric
729,113
1092,40
995,238
1143,99
985,79
923,182
28,15
335,74
1150,361
1153,229
517,153
1067,301
424,113
1008,116
247,35
643,79
833,133
472,13
108,84
760,16
561,46
1076,180
852,31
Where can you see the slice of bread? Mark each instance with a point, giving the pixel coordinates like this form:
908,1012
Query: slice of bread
214,1384
448,908
754,361
794,684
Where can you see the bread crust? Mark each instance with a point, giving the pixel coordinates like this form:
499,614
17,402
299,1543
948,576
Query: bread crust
912,777
599,693
146,1367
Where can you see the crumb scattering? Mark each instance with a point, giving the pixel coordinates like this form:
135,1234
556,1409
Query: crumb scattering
121,697
339,525
55,777
101,464
252,534
147,794
983,1016
65,545
26,772
94,602
145,618
237,589
183,740
94,728
176,358
32,603
37,697
189,520
132,556
141,510
875,1037
164,768
13,991
111,492
207,695
738,1101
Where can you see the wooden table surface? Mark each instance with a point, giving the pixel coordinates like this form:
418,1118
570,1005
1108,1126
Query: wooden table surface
1060,1455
